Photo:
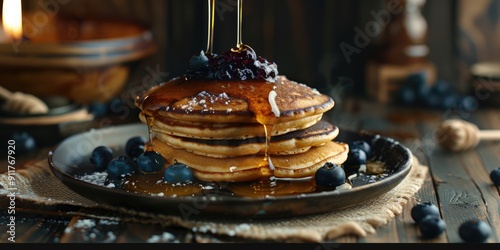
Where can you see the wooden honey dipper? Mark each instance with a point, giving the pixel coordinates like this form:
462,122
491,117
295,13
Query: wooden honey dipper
459,135
22,103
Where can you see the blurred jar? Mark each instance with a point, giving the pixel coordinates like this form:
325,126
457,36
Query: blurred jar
404,39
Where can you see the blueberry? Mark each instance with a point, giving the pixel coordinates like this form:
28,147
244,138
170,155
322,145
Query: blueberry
198,62
421,210
431,226
442,95
239,63
443,88
355,158
363,145
101,156
135,146
240,54
495,176
98,109
407,95
418,81
265,70
178,173
245,74
449,101
150,161
225,72
433,100
121,167
474,231
468,103
25,143
330,175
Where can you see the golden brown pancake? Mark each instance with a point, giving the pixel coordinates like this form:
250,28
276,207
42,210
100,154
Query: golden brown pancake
251,101
290,143
252,167
222,130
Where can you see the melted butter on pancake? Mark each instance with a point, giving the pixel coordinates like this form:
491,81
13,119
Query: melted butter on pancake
272,101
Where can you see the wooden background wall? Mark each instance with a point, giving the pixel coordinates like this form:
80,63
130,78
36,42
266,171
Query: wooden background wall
301,36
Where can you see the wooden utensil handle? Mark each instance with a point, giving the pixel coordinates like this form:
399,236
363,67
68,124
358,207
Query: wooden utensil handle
489,134
5,93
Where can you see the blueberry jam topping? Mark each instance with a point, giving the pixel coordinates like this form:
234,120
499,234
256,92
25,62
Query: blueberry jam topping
241,63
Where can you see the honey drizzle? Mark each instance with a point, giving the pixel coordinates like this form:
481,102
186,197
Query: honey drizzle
211,26
150,120
268,131
239,24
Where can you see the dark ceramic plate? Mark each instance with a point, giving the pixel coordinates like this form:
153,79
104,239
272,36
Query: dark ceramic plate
70,159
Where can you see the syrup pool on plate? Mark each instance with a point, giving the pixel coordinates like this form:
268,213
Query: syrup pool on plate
153,184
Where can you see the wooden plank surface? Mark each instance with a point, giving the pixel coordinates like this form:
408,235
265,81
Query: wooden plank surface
458,197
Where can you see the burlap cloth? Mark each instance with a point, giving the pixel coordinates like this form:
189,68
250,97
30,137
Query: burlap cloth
36,182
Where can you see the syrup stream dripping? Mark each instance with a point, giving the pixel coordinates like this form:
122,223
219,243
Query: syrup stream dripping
150,121
267,167
239,40
268,129
211,24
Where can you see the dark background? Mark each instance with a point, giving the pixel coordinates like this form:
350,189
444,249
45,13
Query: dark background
301,36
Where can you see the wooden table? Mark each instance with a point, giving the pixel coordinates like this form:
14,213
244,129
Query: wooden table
458,183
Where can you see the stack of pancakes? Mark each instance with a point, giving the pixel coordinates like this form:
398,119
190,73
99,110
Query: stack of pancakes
239,131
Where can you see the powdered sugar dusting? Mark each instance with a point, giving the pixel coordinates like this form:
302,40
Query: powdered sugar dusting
96,178
91,231
204,100
239,229
163,238
85,223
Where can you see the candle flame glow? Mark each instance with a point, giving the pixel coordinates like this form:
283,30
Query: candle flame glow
12,19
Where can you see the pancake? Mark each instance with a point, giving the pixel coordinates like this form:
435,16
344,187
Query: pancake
295,142
223,130
238,130
238,101
252,167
